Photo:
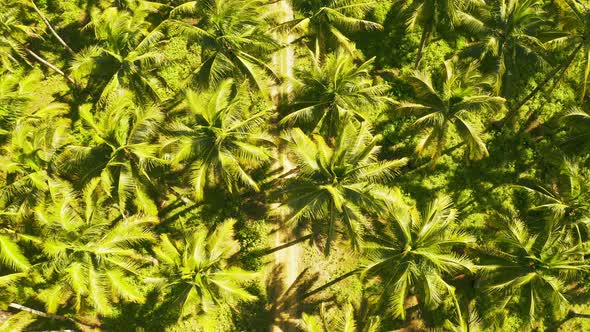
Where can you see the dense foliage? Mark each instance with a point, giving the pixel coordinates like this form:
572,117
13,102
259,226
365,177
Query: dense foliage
303,165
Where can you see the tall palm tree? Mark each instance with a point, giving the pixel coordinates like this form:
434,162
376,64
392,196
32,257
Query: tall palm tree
327,24
126,53
534,269
508,35
431,15
452,102
233,38
199,271
91,256
339,183
330,94
117,153
222,136
414,255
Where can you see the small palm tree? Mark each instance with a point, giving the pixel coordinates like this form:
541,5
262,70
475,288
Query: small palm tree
91,256
339,183
452,103
575,24
199,271
578,124
14,36
222,137
126,52
330,94
117,152
328,23
535,269
35,141
566,199
232,36
432,15
414,255
345,321
508,36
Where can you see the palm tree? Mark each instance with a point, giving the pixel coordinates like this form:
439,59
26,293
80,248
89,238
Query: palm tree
199,271
232,36
578,125
328,23
344,321
332,93
414,254
566,199
126,52
431,15
90,253
452,103
222,137
35,141
120,157
339,182
508,36
13,39
572,35
535,269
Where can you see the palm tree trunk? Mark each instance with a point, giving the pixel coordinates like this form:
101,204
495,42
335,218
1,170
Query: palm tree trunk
53,32
330,283
564,65
423,38
269,251
50,65
50,316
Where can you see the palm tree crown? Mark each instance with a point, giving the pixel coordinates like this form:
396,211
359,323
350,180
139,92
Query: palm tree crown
453,103
338,181
413,254
332,93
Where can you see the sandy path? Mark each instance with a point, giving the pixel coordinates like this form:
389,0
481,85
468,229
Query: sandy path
283,62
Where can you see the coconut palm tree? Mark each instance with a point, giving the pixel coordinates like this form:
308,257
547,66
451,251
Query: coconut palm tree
222,137
575,27
14,36
344,321
413,255
508,36
577,122
339,183
117,153
34,142
330,94
565,199
90,252
432,15
327,24
199,272
452,102
232,37
533,269
125,55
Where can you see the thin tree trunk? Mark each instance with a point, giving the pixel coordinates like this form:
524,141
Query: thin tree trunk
284,246
50,65
46,315
421,48
330,283
514,110
48,24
